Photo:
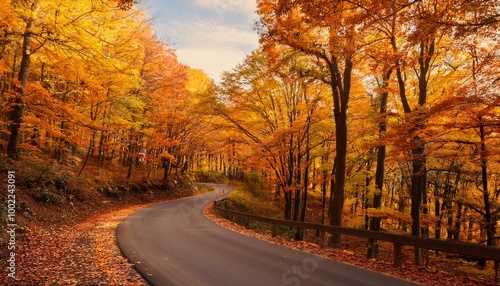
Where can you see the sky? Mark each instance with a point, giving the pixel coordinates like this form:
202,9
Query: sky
211,35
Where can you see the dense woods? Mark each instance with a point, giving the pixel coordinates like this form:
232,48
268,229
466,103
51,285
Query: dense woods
91,81
385,112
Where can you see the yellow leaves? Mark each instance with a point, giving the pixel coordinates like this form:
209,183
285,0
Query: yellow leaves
119,122
133,104
198,82
273,111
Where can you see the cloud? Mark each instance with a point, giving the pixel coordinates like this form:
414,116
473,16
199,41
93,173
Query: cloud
224,7
211,35
210,45
212,61
214,34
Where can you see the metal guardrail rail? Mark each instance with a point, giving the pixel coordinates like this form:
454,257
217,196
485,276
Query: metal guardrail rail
467,249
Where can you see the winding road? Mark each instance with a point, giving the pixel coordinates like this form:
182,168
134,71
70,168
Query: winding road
173,243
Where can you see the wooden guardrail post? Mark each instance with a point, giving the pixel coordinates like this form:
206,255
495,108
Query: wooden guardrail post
398,255
273,230
372,249
321,238
496,270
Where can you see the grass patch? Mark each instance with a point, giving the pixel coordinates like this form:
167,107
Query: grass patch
244,201
250,197
204,188
209,177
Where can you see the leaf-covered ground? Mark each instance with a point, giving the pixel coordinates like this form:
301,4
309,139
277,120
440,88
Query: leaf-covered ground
71,240
82,254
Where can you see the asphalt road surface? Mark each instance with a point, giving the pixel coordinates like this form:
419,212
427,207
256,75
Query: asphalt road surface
173,243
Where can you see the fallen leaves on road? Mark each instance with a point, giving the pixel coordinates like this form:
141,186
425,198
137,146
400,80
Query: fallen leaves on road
83,254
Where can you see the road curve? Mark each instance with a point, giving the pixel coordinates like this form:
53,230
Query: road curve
173,243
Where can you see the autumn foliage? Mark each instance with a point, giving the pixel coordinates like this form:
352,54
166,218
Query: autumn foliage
386,112
90,80
381,114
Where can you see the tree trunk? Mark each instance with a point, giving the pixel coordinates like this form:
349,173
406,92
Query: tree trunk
167,164
17,113
380,171
89,151
341,90
458,221
437,211
288,204
419,171
130,164
338,190
300,232
417,187
297,179
324,186
425,209
101,150
489,226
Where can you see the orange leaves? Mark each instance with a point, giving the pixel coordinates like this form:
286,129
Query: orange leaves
7,17
98,72
2,64
274,111
81,254
167,156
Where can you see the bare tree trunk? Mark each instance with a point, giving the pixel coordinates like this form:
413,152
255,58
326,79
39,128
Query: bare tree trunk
89,151
338,189
17,113
489,224
380,171
166,168
300,232
417,185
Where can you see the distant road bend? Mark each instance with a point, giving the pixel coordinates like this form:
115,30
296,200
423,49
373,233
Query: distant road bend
173,243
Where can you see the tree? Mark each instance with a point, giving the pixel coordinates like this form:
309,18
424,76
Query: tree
474,107
173,95
277,112
164,92
30,11
55,29
328,34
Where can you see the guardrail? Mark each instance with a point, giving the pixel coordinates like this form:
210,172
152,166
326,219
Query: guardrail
467,249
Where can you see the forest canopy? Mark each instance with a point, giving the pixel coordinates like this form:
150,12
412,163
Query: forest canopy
91,79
